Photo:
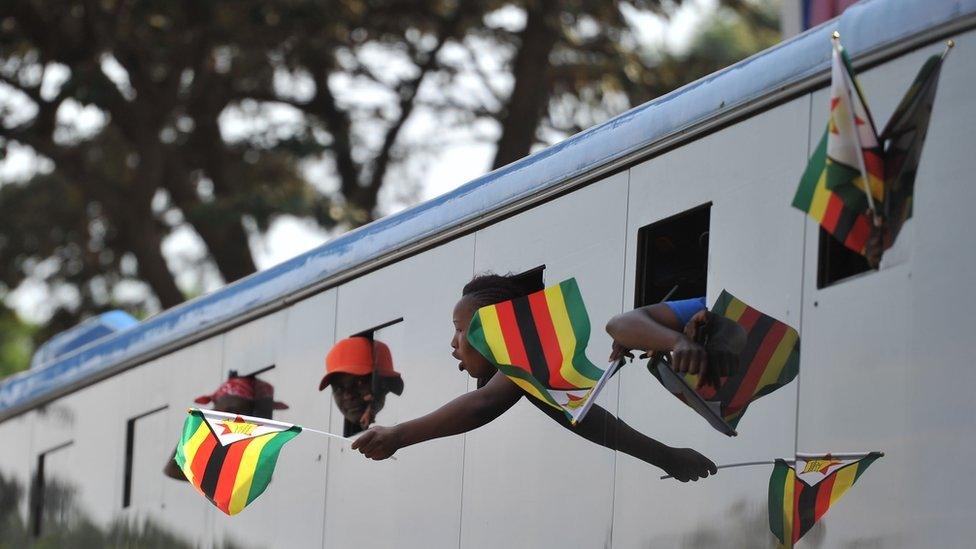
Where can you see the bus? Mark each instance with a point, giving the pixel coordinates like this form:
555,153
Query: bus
693,187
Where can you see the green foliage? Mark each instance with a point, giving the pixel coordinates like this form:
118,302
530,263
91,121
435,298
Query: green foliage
16,343
64,525
203,116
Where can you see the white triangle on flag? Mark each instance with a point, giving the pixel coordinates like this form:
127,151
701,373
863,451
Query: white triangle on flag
813,468
230,428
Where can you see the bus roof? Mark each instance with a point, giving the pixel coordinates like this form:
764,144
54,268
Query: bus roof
871,30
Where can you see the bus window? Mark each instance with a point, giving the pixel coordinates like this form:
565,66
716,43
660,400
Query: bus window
672,254
130,440
836,262
50,500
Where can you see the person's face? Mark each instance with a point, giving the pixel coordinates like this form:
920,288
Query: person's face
470,360
235,405
354,397
264,407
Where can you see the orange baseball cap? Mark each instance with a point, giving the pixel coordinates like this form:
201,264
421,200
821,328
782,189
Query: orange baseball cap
354,356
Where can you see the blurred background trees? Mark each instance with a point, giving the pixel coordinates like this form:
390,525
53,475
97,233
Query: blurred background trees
131,128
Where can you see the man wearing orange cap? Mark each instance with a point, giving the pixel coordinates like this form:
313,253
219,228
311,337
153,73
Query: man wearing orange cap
247,396
360,371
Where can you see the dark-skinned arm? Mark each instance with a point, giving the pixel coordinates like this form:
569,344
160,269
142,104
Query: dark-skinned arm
655,328
603,428
465,413
708,344
172,470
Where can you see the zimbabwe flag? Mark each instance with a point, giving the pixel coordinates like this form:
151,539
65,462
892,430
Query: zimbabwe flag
769,359
229,458
797,500
847,160
539,342
904,137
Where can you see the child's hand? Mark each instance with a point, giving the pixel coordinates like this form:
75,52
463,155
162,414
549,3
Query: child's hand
686,464
378,442
710,347
689,357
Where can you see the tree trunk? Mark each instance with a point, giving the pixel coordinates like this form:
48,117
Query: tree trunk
530,94
218,225
144,241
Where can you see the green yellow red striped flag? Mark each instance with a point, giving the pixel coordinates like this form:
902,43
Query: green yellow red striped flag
904,138
229,458
848,160
769,360
799,495
539,342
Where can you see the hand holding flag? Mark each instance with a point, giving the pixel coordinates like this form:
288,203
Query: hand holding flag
768,358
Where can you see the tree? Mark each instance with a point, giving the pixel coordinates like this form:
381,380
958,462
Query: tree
155,116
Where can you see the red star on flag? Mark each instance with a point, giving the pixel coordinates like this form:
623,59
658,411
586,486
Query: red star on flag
226,425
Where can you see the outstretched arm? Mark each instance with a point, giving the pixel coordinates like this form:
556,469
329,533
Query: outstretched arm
708,344
466,412
655,328
651,328
603,428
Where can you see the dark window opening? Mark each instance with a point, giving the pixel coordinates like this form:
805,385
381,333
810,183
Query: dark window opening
672,257
233,373
837,262
130,441
533,279
46,499
368,333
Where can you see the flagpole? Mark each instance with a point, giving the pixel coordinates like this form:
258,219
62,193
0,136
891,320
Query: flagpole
799,455
835,40
742,464
949,45
333,435
280,424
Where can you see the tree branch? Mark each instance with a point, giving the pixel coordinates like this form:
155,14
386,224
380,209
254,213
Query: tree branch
407,93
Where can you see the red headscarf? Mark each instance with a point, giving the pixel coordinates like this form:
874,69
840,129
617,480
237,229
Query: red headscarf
249,388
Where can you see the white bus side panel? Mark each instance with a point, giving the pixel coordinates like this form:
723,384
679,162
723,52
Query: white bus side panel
415,500
528,482
749,173
295,340
887,356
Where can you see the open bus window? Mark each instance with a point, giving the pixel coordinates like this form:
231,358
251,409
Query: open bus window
130,446
672,257
50,499
361,371
836,262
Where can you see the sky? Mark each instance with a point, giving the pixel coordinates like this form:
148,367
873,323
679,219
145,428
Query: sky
463,157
